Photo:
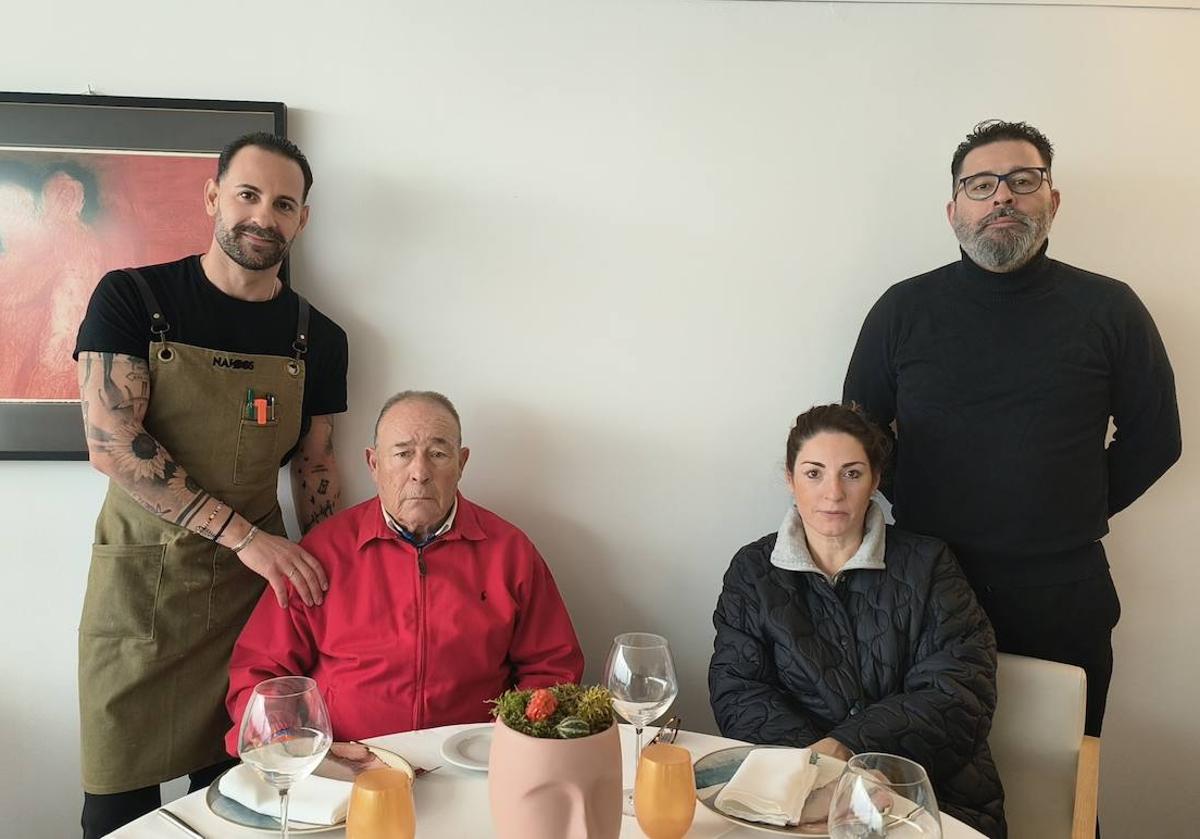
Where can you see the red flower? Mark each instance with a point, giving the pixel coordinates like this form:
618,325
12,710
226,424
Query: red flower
541,705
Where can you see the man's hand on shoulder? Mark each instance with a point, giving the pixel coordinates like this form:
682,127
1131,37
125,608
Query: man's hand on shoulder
281,561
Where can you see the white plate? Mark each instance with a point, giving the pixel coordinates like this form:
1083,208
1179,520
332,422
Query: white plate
229,810
469,749
715,769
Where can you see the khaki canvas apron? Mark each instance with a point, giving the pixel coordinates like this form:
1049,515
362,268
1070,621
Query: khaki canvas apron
164,606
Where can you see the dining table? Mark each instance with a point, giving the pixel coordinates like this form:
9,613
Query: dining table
453,802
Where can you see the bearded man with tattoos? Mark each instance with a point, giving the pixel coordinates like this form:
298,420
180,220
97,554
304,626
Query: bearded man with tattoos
198,379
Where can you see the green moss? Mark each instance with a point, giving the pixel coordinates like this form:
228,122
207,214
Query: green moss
591,705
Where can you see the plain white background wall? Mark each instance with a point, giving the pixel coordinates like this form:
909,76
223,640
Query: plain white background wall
632,240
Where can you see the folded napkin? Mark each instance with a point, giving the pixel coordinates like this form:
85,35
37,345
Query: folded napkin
770,786
313,799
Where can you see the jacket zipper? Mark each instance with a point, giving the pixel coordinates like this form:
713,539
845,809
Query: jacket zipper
419,694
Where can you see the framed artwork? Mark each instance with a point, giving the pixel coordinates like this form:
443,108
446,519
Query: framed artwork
89,184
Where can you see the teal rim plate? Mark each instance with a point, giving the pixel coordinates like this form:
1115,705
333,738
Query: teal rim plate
715,769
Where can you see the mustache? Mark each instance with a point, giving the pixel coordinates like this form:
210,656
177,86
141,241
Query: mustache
1005,212
260,232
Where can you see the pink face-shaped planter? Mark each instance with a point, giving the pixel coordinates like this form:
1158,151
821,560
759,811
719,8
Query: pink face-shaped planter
547,788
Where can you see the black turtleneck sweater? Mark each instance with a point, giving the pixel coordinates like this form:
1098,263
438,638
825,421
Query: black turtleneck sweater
1001,387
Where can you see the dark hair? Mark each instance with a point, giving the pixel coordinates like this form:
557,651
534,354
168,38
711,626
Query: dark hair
839,419
423,395
993,131
270,142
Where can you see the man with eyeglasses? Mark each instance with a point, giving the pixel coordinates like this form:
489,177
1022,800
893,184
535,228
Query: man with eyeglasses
999,374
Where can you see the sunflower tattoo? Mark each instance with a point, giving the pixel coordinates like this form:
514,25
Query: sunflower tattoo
136,453
182,483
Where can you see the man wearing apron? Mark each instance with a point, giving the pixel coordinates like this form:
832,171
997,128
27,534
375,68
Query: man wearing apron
197,379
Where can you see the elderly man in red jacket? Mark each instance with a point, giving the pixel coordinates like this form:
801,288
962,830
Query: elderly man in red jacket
435,605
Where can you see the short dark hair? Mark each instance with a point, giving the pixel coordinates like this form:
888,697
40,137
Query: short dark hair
993,131
423,395
270,142
839,419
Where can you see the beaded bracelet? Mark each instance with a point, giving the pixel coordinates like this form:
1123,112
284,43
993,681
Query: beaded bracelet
203,529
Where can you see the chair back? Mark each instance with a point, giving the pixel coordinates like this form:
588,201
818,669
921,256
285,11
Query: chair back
1036,735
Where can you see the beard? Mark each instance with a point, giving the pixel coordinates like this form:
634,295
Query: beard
1004,249
246,255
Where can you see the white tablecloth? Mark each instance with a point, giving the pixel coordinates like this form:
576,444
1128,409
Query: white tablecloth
453,802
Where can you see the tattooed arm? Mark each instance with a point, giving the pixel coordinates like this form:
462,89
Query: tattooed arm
316,487
114,392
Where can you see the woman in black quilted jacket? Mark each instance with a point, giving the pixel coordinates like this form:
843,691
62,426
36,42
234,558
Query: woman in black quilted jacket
844,635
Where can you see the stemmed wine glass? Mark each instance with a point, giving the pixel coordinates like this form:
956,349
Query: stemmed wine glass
285,734
641,677
881,795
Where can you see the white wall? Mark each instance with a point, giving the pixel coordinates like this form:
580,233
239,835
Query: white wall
632,240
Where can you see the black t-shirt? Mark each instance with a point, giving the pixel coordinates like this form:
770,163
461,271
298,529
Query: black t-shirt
202,315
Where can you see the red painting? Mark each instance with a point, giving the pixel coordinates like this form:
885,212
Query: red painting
66,218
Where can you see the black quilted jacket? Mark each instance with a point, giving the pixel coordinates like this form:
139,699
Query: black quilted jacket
899,660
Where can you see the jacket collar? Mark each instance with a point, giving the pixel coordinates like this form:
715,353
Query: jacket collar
409,537
466,524
791,548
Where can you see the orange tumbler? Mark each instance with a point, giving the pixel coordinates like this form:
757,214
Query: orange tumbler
381,806
664,795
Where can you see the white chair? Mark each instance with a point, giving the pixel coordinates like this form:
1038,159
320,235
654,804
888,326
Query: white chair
1049,769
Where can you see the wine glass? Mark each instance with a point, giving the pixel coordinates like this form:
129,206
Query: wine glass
641,677
665,791
285,734
883,795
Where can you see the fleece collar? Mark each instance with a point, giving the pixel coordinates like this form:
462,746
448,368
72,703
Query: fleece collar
791,548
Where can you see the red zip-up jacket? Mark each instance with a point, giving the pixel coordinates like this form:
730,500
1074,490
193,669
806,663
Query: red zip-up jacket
410,638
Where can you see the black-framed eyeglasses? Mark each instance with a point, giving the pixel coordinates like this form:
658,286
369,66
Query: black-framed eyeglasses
669,731
983,186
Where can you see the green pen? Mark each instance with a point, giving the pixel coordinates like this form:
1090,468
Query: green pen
249,403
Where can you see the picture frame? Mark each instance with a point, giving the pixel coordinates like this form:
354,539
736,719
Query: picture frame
107,133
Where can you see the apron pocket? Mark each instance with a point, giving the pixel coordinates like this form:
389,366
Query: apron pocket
256,460
122,591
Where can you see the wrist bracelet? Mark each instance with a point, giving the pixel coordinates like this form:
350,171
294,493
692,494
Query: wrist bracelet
217,536
247,540
203,529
